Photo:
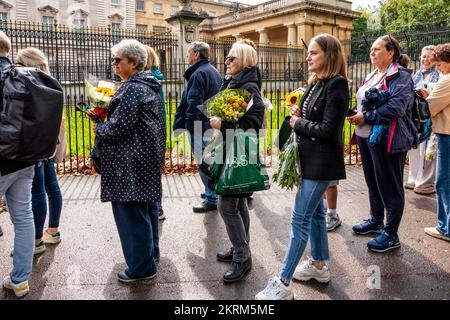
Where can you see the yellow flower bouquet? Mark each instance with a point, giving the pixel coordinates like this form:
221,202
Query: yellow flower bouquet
230,104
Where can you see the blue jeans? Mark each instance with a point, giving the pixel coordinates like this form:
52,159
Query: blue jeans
210,195
45,184
16,187
443,184
137,223
308,218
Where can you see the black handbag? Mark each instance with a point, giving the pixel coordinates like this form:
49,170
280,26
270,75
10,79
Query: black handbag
284,133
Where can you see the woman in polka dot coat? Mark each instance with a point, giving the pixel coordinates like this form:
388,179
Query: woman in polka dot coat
131,145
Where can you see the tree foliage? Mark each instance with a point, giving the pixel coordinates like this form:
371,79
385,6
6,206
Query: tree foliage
413,15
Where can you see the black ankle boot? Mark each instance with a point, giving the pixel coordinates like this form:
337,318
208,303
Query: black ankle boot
237,271
225,256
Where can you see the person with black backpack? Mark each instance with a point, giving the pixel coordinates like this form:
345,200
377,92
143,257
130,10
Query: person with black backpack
45,182
16,178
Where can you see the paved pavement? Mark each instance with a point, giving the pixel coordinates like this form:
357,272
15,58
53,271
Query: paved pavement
85,264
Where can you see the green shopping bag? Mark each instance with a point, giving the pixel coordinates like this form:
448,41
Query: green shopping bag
242,171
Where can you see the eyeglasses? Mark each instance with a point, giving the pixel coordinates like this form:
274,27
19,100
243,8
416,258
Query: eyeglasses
116,60
230,58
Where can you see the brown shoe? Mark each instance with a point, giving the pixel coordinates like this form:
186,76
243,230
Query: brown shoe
425,190
409,185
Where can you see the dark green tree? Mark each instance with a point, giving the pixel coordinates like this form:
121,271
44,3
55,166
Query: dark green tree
411,15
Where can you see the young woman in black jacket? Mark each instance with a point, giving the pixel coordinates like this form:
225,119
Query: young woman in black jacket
242,74
318,123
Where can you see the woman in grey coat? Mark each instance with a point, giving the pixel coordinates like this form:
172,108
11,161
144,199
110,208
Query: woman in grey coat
131,145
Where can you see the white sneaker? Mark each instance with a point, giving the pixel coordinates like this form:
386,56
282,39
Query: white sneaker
307,271
333,221
20,289
276,290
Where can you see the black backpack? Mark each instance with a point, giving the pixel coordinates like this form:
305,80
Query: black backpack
421,116
30,114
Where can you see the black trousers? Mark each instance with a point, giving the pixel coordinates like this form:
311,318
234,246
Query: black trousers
384,178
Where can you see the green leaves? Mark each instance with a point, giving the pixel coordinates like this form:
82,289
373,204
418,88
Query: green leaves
286,174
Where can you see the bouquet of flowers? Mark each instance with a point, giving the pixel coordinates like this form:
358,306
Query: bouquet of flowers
100,93
293,98
229,104
288,174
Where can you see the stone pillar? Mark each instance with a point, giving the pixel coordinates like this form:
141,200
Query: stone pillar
305,32
185,25
263,36
292,34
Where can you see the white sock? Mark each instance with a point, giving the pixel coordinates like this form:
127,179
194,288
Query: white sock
325,204
332,212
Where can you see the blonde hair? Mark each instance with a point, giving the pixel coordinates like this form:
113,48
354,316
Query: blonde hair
249,42
33,57
152,58
5,43
334,60
245,55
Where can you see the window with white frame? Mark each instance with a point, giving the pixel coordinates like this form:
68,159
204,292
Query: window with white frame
140,5
78,23
173,10
3,16
141,28
158,8
115,25
159,29
117,2
48,20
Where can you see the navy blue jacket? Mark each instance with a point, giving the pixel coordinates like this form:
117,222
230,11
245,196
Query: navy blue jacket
132,142
396,112
9,166
203,82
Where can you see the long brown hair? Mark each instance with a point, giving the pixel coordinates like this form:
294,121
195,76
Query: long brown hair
334,58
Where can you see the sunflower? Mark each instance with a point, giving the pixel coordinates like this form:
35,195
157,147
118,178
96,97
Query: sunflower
294,97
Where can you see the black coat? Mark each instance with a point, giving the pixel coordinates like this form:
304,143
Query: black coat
132,142
248,79
321,145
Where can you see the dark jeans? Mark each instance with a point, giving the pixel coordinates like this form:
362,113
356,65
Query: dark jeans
198,146
137,223
384,177
45,184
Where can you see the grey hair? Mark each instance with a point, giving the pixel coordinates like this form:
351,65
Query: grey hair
133,50
201,47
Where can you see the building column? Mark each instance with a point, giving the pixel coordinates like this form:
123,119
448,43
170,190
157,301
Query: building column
304,32
292,34
263,36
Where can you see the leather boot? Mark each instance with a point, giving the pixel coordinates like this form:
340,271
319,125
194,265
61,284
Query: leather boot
225,256
237,271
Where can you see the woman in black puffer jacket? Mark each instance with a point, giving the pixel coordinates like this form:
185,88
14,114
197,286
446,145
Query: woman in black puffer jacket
242,73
